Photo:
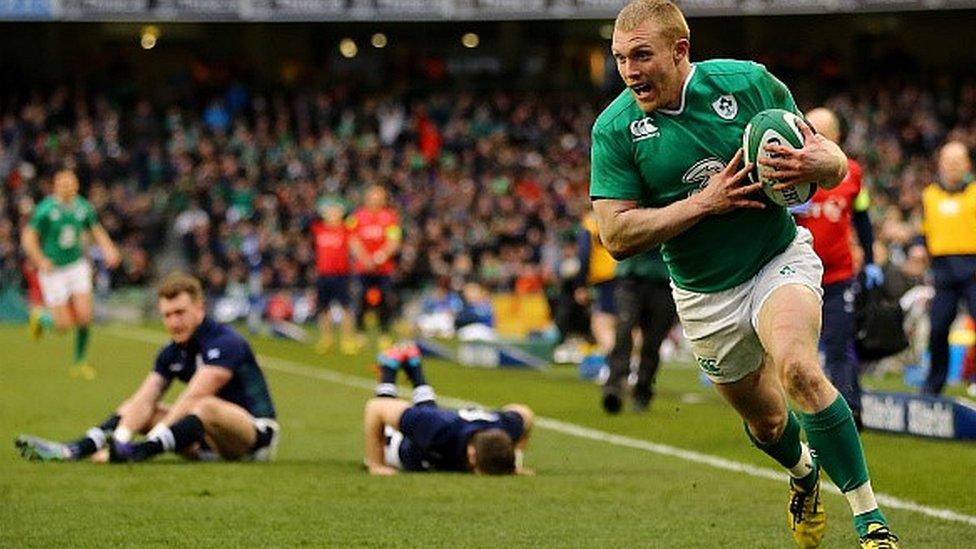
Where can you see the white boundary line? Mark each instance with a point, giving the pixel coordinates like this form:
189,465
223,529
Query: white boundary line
571,429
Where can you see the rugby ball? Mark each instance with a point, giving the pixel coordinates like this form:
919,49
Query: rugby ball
779,127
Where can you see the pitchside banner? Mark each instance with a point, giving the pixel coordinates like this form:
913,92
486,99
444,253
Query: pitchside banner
26,9
921,415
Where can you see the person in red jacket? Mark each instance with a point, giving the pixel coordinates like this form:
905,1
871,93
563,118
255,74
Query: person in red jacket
333,264
375,237
830,215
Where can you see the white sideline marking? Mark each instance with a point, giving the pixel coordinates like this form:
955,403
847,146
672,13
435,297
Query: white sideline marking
571,429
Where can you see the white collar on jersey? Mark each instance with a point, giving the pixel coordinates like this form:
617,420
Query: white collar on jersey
684,92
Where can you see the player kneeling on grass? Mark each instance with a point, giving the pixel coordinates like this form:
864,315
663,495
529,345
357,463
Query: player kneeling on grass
423,437
225,410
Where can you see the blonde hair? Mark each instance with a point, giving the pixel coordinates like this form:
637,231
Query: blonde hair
177,283
662,12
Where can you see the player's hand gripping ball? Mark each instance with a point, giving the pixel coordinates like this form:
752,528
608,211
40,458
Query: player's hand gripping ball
776,127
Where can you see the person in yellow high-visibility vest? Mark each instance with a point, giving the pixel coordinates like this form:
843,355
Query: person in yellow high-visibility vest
949,228
598,269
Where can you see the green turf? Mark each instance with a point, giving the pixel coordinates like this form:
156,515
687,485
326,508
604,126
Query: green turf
586,493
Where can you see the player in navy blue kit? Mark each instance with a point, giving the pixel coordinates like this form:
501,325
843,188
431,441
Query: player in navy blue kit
422,437
225,411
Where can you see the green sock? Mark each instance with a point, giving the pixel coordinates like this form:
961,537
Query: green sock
46,320
834,437
862,521
787,451
81,344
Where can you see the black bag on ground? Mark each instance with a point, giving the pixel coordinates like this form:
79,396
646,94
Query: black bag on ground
878,325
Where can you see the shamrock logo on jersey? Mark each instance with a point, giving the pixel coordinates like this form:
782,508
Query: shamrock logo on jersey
726,106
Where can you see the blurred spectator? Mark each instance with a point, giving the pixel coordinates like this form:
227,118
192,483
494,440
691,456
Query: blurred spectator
477,308
643,299
332,263
598,276
374,240
830,216
949,227
572,311
439,310
484,183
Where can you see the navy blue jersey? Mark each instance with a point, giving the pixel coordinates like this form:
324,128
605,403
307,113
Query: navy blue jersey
214,344
437,439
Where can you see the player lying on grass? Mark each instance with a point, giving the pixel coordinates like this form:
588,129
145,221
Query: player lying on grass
422,437
225,410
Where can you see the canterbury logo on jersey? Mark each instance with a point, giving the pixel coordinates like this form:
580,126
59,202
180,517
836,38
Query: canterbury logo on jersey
643,129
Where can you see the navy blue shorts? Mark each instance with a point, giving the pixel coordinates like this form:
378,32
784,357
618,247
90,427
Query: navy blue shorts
333,288
604,302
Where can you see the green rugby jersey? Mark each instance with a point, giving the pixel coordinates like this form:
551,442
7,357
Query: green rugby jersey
60,226
665,156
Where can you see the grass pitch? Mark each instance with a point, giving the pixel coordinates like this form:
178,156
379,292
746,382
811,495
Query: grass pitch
587,493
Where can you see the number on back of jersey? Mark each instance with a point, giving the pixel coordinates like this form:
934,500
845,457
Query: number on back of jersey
476,414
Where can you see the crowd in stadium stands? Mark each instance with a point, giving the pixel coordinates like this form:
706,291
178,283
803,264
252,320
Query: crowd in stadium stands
489,187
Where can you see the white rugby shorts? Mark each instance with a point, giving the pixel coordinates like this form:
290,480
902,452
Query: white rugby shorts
721,326
60,283
391,447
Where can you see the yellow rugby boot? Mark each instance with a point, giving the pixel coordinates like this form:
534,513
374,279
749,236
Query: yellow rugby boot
83,370
34,326
879,537
350,346
807,516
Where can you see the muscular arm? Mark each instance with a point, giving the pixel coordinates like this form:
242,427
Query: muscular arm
205,382
138,410
379,413
627,229
31,243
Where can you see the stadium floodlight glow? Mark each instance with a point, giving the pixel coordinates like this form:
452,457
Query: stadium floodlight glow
149,37
379,40
606,31
348,48
470,40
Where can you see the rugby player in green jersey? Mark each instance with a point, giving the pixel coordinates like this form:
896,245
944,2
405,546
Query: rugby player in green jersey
53,241
666,169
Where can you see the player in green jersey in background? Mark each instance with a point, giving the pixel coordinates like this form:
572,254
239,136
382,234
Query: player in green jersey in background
53,240
666,170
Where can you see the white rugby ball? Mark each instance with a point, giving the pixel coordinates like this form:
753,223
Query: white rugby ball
779,127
